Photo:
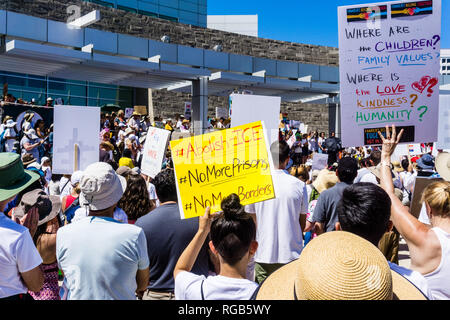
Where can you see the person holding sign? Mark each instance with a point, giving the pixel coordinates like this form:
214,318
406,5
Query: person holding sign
280,221
429,247
232,235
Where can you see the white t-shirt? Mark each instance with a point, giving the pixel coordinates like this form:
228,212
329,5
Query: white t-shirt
17,255
9,143
100,258
278,232
188,286
64,187
439,279
361,172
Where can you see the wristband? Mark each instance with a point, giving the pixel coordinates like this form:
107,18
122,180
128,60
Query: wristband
385,163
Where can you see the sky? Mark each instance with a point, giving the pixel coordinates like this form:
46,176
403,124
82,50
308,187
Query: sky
303,21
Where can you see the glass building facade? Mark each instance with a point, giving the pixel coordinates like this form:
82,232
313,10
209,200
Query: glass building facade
184,11
77,93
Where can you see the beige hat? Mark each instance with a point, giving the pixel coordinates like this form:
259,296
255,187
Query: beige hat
397,166
325,180
443,165
338,265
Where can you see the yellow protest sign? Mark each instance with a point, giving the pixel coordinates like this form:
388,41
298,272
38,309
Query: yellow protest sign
212,166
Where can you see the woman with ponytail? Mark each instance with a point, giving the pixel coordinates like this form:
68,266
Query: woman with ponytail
232,240
429,246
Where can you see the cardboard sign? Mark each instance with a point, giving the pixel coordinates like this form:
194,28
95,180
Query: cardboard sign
320,161
212,166
141,110
419,187
250,108
76,142
154,150
389,64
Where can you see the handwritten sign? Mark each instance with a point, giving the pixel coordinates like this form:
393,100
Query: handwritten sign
389,68
154,151
75,125
210,167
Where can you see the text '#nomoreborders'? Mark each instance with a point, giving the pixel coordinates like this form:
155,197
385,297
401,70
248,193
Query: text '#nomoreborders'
213,145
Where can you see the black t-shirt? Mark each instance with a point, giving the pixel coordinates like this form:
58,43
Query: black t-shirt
167,237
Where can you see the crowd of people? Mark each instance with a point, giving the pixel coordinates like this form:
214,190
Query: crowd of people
111,232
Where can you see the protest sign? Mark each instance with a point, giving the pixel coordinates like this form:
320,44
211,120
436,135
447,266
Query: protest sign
76,138
221,113
320,161
443,141
212,166
141,110
292,139
128,112
419,186
188,110
249,108
389,63
154,150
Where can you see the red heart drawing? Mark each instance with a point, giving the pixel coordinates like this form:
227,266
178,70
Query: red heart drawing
411,11
419,86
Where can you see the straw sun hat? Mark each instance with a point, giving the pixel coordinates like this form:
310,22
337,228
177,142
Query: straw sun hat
338,266
325,180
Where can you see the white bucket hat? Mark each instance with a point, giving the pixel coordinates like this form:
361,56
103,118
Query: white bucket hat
76,177
101,187
31,134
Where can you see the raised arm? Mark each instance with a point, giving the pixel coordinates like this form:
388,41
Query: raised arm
190,254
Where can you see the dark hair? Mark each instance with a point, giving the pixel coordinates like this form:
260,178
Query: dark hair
280,152
113,164
233,230
405,164
375,156
126,153
135,200
364,210
164,183
347,169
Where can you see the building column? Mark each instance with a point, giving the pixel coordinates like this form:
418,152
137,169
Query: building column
199,118
334,125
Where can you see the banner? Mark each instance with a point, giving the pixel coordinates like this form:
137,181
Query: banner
154,150
389,64
212,166
249,108
320,161
76,142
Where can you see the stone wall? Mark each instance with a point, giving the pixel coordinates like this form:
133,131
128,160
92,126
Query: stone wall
165,103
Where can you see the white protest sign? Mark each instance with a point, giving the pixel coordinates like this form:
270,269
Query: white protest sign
400,151
154,151
414,149
128,112
443,141
320,161
76,138
251,108
389,63
292,139
221,113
